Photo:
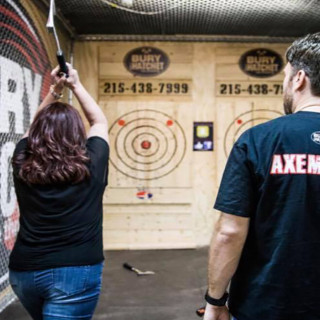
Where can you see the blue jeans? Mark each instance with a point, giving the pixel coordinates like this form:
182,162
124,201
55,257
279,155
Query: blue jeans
60,293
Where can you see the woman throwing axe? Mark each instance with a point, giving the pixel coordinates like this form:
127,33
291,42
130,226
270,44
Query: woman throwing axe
60,175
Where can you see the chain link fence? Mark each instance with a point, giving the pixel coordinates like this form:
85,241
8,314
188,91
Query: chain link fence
26,51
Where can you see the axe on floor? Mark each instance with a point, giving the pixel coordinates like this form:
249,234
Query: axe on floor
137,271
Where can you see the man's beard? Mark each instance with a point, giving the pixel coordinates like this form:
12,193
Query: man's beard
288,103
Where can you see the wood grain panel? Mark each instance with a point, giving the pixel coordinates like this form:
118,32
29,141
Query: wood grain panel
179,214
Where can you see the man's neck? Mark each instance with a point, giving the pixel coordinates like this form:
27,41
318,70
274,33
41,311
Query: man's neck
311,104
309,109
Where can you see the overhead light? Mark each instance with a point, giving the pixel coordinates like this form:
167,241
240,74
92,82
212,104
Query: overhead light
127,3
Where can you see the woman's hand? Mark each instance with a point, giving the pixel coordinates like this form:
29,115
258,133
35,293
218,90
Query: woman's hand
59,82
73,80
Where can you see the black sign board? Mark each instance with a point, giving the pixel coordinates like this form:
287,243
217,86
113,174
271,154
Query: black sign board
261,63
146,61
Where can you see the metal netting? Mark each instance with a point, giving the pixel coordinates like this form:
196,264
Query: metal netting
24,80
277,18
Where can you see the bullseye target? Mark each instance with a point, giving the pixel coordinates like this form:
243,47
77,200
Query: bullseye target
146,144
245,121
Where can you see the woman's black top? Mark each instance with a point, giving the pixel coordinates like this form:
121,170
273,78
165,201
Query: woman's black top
61,225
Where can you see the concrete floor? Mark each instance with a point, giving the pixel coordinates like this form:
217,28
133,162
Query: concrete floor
174,293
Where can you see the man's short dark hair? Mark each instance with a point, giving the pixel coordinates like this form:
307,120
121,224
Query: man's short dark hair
304,54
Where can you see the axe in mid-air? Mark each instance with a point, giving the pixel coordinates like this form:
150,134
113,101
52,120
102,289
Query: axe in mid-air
51,28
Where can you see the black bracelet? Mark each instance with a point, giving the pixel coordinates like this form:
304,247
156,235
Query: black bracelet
217,302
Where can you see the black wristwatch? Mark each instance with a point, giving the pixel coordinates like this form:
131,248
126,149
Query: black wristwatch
217,302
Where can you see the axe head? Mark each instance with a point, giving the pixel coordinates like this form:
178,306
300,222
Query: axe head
52,12
144,273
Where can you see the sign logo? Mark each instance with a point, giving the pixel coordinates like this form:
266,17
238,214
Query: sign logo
146,61
315,137
261,63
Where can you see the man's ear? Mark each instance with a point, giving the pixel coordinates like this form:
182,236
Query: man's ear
299,81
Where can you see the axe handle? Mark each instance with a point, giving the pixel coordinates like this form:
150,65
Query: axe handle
62,63
128,266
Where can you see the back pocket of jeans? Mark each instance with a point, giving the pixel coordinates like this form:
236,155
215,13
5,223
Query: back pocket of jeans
70,280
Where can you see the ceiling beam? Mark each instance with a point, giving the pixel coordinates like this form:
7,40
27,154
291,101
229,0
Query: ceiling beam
183,38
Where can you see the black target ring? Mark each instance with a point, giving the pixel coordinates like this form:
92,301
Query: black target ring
164,130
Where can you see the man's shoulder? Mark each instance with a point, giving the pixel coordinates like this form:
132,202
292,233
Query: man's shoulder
268,129
274,124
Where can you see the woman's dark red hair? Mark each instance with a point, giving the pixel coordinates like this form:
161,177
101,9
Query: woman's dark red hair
56,150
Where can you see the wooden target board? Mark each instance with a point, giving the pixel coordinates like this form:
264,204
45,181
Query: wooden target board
148,144
150,153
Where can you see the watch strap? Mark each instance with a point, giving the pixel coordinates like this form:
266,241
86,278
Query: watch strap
217,302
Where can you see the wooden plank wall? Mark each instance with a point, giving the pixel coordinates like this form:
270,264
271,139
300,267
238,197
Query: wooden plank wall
180,214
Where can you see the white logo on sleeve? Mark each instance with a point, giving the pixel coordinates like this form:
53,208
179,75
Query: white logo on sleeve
315,137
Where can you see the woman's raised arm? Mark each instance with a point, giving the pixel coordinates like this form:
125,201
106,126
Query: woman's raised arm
97,119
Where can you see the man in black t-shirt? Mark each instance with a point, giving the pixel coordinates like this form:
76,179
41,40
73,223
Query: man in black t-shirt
267,238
